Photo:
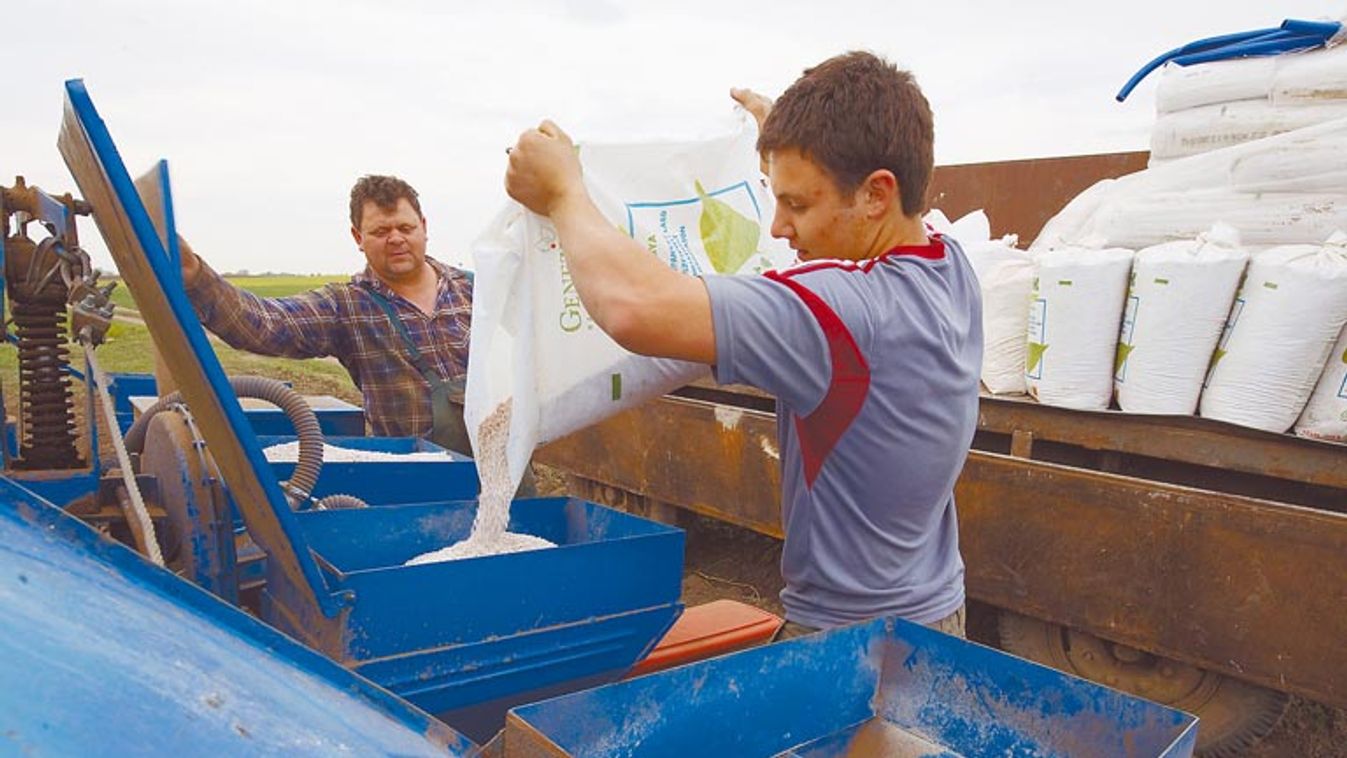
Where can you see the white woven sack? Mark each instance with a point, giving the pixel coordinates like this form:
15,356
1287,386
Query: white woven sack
1005,276
1291,188
1289,311
1184,87
1325,416
1006,279
700,207
1177,303
1312,76
1290,78
1210,127
1074,310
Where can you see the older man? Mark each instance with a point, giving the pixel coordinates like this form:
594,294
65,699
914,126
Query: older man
400,326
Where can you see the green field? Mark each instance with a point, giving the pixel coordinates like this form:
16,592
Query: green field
128,347
265,286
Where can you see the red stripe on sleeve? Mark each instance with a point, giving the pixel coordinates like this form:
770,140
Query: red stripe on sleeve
820,431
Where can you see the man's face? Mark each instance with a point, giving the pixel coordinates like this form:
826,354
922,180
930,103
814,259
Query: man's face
393,241
812,214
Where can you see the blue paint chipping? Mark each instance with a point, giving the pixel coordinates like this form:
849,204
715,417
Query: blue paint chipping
813,695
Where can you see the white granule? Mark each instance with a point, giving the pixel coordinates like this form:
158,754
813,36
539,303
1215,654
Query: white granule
472,547
493,505
288,452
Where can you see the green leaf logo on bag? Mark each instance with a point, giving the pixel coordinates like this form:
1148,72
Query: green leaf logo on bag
1215,359
1036,350
1124,350
729,237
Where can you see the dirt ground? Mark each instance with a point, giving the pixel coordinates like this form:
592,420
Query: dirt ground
726,561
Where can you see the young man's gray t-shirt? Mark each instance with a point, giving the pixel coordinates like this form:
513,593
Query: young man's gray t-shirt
875,368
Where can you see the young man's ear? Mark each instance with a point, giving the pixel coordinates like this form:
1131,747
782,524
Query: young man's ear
881,193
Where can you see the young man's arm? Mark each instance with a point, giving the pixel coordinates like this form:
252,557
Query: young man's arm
645,306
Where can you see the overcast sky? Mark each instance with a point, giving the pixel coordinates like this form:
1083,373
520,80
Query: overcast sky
268,110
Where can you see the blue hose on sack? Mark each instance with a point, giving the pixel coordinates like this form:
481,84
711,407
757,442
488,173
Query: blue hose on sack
1292,35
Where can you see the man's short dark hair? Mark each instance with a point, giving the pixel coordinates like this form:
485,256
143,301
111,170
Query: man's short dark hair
854,114
383,191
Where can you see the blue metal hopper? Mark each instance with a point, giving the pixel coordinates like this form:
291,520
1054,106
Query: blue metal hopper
542,621
502,629
886,687
389,482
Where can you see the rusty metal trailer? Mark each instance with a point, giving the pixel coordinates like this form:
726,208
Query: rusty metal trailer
1190,561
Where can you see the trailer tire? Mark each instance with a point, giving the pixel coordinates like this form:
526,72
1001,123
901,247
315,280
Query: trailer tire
1234,714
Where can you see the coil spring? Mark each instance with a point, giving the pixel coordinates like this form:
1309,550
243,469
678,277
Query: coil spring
46,403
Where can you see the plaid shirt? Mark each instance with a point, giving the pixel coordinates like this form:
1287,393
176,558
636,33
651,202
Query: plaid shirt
344,321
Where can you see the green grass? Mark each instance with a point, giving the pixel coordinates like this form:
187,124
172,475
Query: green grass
128,347
263,286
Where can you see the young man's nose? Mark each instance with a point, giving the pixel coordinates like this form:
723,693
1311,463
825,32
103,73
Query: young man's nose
781,227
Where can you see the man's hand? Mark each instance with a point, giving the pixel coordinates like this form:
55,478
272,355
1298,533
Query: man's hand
758,105
191,265
544,171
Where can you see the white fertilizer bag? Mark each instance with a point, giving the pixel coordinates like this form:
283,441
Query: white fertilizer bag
1006,290
1074,311
1177,303
1289,310
537,363
1325,416
1197,130
1312,76
1287,189
1184,87
1005,276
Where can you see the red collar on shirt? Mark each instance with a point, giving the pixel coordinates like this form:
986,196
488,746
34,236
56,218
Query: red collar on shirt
934,250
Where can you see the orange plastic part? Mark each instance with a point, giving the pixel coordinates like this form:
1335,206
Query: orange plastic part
708,630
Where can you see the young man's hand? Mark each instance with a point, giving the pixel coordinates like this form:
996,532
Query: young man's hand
544,170
757,105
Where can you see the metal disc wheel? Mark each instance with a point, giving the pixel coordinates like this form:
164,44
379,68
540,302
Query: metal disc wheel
1234,714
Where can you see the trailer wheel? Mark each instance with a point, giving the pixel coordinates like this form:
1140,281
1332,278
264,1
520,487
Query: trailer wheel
1234,714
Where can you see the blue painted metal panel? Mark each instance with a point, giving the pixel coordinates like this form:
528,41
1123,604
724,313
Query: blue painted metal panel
390,482
345,420
341,420
810,695
449,635
123,387
289,540
60,487
105,654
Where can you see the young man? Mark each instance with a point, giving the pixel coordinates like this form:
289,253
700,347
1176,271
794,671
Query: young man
872,345
400,327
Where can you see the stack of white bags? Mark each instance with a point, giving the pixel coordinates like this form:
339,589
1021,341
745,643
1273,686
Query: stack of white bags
1213,282
1225,103
1171,329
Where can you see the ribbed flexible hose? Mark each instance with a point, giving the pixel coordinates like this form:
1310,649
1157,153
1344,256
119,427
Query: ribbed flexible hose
338,501
310,461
